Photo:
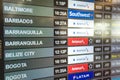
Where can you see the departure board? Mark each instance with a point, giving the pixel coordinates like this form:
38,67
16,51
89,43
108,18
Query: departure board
60,40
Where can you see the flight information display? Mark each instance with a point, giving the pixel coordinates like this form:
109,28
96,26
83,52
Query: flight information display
61,39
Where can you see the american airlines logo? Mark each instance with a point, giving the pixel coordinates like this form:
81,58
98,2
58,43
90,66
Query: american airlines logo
80,5
80,32
79,14
80,59
81,23
80,50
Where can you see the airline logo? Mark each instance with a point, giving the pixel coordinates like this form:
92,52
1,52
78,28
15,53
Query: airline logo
115,71
115,23
115,16
115,63
80,32
80,50
77,68
81,23
80,14
115,1
81,76
115,32
77,41
80,59
80,5
116,78
116,8
115,56
115,48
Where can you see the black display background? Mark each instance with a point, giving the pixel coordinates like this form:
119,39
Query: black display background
1,43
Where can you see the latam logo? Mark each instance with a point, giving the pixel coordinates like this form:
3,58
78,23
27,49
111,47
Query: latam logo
81,23
80,32
80,50
81,76
80,14
80,5
80,59
77,41
77,68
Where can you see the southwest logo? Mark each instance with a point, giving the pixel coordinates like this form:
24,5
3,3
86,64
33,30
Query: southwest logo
79,14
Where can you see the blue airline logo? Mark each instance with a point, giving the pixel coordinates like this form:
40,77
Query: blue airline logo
81,76
116,78
80,14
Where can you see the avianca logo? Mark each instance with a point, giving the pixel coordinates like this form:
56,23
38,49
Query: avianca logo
77,41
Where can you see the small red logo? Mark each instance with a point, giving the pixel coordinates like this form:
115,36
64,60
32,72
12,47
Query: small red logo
77,41
77,68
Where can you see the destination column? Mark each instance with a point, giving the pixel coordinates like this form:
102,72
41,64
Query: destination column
29,39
